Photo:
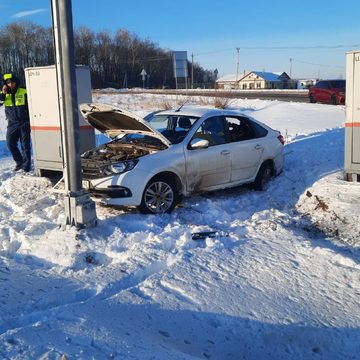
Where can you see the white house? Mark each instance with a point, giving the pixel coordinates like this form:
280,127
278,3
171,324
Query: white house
256,80
265,80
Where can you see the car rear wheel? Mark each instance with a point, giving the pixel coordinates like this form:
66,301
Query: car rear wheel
311,98
263,177
160,196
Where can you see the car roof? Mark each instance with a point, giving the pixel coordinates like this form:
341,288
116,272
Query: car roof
198,112
332,80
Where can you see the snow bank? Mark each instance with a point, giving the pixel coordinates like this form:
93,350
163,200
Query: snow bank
332,206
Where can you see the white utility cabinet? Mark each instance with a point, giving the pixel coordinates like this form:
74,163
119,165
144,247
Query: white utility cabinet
352,120
41,84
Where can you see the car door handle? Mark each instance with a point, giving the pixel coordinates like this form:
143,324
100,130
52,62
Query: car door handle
258,147
225,152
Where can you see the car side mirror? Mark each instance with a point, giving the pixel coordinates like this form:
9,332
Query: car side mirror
199,143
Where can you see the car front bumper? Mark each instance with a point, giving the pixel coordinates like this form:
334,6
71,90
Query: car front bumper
123,190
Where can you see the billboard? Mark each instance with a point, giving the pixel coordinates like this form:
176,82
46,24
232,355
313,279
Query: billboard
180,64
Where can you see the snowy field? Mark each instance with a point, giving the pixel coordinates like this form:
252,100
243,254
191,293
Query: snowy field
281,281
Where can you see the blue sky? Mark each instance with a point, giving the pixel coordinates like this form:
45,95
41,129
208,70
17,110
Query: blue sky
315,34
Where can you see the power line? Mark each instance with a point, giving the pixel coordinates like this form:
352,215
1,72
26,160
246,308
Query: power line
339,46
301,47
166,56
215,51
310,63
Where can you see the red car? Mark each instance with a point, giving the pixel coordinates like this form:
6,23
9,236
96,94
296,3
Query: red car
328,91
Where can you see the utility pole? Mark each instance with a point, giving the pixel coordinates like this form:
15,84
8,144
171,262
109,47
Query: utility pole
192,71
79,208
215,77
291,67
237,65
125,81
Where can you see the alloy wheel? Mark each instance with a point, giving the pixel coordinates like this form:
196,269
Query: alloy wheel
159,197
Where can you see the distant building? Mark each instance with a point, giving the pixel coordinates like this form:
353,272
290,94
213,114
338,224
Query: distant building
257,80
305,83
266,80
227,82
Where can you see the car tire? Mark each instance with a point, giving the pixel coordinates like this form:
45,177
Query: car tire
311,98
334,100
160,196
264,175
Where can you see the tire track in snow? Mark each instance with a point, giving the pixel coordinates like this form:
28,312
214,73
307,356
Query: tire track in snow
31,317
83,296
131,280
179,293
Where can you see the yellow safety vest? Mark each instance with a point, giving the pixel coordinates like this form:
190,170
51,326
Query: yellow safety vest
19,98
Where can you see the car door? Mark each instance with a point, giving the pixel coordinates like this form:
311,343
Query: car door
209,167
323,92
246,148
328,92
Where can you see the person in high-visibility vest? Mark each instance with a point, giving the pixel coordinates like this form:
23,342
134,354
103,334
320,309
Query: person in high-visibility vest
14,98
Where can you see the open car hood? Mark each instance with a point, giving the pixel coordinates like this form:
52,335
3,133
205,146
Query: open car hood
113,121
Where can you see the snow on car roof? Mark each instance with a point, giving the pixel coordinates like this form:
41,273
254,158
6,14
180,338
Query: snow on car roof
196,111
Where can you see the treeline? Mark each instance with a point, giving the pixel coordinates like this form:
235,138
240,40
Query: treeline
114,60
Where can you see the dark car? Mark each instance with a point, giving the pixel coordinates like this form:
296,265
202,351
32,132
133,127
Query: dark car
328,92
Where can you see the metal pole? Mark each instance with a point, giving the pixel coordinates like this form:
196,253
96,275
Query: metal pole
237,66
65,68
80,211
192,71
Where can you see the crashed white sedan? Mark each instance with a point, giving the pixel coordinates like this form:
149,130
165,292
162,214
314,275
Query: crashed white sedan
152,164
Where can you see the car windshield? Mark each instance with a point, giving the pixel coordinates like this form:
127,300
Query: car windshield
338,84
141,140
173,127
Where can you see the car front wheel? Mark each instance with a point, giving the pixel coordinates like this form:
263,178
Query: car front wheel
159,197
312,99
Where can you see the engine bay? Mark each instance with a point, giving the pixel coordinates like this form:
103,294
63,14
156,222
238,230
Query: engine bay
93,161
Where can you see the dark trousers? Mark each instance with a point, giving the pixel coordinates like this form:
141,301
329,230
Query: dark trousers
13,135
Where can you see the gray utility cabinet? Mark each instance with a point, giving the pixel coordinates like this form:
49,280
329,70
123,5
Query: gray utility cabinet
352,121
46,131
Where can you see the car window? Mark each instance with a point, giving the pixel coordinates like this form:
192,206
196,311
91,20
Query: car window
259,130
143,140
159,122
214,130
242,128
322,85
173,127
338,84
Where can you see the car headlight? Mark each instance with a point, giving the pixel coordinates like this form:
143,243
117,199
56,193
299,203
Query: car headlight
120,167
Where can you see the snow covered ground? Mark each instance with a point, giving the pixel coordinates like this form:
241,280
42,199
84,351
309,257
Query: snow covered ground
281,281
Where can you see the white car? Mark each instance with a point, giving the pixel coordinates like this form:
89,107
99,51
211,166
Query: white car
152,164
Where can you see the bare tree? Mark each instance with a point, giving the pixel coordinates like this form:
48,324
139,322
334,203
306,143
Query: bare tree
112,59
